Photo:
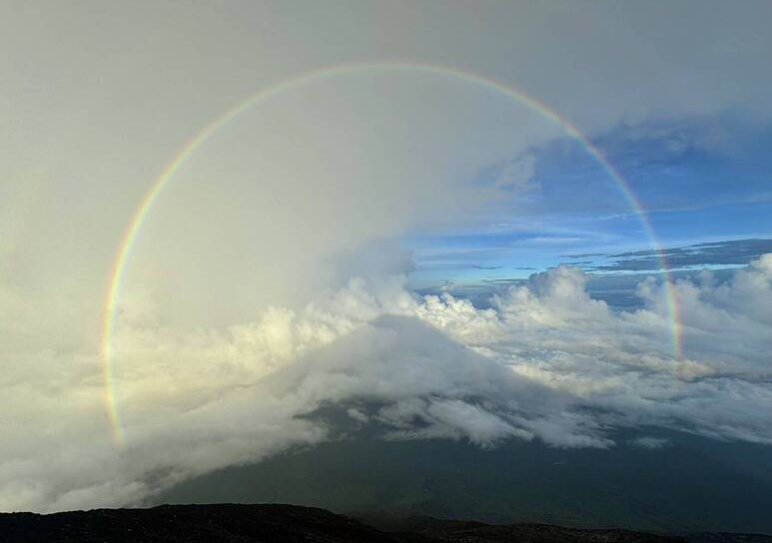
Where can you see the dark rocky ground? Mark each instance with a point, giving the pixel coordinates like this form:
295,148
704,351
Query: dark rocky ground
189,524
273,523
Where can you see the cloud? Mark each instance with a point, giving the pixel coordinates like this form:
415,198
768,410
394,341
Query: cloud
546,362
715,253
722,253
516,175
650,442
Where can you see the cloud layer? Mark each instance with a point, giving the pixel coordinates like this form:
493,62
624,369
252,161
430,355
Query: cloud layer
546,362
718,253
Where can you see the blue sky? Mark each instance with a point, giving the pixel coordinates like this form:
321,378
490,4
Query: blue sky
701,180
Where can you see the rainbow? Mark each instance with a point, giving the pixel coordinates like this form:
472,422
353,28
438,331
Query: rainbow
128,241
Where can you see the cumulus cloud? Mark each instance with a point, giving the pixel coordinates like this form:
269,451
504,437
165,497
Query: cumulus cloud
546,362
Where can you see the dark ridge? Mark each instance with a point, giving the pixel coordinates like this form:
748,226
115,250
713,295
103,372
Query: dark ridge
274,523
221,523
477,532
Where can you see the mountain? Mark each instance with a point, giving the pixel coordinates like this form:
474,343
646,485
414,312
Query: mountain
686,484
224,523
273,523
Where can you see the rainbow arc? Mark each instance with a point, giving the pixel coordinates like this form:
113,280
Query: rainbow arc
132,232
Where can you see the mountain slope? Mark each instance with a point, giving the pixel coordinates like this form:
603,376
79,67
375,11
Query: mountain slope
692,484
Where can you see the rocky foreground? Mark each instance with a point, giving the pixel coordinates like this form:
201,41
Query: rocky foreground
272,523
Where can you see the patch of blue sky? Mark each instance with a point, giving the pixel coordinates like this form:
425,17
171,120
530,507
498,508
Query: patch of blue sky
702,180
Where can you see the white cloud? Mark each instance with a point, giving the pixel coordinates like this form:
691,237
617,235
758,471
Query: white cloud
547,362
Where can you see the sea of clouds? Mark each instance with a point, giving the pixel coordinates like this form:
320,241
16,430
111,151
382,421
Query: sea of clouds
546,362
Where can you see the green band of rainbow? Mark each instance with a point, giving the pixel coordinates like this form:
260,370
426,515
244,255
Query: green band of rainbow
134,227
